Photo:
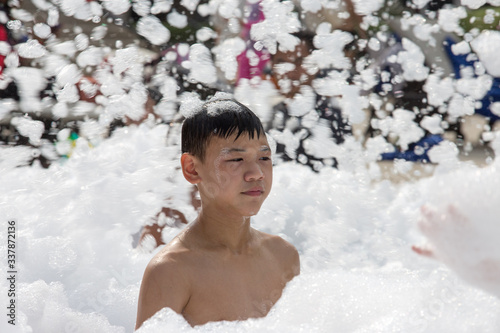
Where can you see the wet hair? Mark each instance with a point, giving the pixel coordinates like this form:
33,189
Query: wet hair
221,118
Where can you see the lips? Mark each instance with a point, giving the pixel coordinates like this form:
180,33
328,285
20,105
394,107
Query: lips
254,191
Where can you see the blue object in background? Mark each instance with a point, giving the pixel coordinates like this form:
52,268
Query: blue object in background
460,61
417,152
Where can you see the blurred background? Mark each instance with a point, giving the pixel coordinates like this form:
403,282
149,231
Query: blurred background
398,75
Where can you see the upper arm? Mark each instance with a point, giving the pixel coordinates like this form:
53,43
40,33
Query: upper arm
163,285
286,254
294,259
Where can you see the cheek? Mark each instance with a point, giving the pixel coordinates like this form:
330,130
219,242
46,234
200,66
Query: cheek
210,189
231,168
224,174
268,172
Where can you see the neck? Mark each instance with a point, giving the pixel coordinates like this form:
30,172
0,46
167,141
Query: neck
224,231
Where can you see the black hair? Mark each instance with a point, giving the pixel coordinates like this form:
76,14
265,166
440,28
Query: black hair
220,118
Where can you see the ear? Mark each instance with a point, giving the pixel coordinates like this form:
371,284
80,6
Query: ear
188,165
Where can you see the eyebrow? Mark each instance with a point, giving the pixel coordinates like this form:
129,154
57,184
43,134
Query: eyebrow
263,148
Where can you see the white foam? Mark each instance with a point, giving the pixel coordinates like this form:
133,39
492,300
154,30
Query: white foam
30,81
433,124
67,48
161,6
485,45
151,28
177,20
190,104
92,56
42,30
117,7
77,220
225,56
358,270
330,45
461,48
473,4
401,126
275,31
367,7
31,49
221,106
142,7
201,66
412,61
190,4
438,90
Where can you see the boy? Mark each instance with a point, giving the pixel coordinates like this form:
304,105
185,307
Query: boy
218,267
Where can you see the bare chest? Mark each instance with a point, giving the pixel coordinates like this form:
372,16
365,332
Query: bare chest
234,290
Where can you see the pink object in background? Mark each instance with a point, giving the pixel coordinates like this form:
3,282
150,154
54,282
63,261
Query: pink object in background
3,38
249,68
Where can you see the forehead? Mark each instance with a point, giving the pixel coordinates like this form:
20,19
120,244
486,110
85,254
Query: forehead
243,142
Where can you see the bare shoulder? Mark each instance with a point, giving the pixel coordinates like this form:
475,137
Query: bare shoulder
276,243
170,255
165,283
171,266
284,251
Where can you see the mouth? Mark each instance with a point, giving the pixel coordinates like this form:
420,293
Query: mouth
254,191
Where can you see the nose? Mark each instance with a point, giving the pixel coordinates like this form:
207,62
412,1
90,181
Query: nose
254,172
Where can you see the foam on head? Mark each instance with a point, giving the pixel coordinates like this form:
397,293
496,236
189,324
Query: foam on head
191,104
215,108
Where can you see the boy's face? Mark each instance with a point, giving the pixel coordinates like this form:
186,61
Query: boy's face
236,175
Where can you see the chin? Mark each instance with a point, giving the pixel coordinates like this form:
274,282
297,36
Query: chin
251,211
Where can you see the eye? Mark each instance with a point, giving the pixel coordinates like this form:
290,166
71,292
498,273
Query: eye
265,158
235,160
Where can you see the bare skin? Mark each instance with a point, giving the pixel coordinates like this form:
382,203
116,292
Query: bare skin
219,267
